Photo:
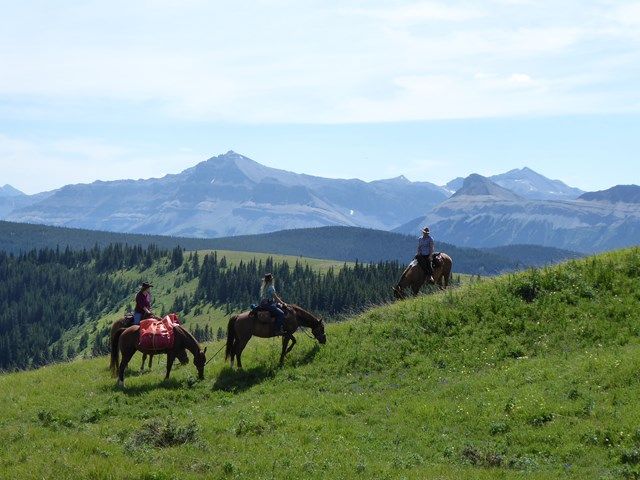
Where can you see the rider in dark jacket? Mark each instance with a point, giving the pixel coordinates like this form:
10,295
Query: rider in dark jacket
143,304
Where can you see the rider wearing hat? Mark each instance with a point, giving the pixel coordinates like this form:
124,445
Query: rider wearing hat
143,304
271,301
426,248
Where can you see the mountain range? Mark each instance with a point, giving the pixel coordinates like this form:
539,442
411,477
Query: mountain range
483,214
230,195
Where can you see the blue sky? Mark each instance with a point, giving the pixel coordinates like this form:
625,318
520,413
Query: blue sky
375,89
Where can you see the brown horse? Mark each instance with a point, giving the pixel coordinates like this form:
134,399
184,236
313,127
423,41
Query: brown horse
414,276
242,327
126,322
125,341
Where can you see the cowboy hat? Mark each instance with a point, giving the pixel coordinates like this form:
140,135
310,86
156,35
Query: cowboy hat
425,230
146,285
268,276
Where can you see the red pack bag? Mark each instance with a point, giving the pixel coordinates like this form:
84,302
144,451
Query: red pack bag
156,334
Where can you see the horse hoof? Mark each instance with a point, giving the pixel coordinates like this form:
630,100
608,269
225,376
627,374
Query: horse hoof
121,383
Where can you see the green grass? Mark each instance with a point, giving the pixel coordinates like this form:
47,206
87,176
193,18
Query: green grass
531,376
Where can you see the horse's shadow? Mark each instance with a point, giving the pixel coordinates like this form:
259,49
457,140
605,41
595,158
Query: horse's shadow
230,380
137,389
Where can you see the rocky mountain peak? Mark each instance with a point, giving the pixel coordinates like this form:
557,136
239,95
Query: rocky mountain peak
477,185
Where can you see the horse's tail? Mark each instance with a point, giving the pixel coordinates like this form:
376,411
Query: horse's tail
447,267
115,351
231,338
448,271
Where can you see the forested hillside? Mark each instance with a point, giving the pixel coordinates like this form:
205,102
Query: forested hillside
55,304
334,243
47,292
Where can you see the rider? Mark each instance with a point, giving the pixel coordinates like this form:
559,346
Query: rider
426,248
143,304
270,300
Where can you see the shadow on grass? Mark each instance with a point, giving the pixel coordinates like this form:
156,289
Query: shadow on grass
136,389
230,380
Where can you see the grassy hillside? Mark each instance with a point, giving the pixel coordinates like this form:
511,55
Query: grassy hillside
533,376
335,243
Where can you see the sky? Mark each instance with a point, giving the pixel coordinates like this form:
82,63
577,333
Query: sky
369,89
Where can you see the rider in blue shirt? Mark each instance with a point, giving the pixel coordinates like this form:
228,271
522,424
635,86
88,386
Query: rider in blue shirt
271,301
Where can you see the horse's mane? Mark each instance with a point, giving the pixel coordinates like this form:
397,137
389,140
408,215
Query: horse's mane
188,334
303,313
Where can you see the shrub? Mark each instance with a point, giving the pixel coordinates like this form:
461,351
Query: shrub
164,433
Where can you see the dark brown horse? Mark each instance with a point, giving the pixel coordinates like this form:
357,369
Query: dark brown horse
125,341
414,276
126,322
242,327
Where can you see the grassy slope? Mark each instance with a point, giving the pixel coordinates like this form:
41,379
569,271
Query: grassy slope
526,376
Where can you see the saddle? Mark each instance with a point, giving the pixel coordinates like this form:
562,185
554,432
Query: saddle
158,334
128,320
436,261
257,309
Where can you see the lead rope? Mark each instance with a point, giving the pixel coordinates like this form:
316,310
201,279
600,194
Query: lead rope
214,355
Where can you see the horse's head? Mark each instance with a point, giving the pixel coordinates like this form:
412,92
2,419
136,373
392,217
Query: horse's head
318,332
397,292
200,360
306,319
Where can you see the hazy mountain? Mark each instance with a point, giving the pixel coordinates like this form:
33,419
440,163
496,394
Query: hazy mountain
528,184
617,194
476,185
228,195
9,191
454,185
484,215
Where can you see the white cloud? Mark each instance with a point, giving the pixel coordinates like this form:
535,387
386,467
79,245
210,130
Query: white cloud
418,12
301,62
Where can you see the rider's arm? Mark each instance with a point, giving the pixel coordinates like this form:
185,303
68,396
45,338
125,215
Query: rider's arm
278,299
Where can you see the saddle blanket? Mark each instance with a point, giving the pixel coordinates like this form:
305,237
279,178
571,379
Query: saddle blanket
157,334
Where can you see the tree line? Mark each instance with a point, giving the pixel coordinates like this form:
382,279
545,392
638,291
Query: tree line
45,293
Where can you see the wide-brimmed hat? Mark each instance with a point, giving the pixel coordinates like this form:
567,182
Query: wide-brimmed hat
268,276
146,285
425,230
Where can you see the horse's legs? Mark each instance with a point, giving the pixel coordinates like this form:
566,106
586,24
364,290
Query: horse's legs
144,359
239,347
170,358
285,343
293,343
150,360
415,289
126,356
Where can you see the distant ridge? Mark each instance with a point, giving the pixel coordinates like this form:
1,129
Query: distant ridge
617,194
332,243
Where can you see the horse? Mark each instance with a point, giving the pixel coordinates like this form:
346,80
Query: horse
414,276
126,322
260,324
125,341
